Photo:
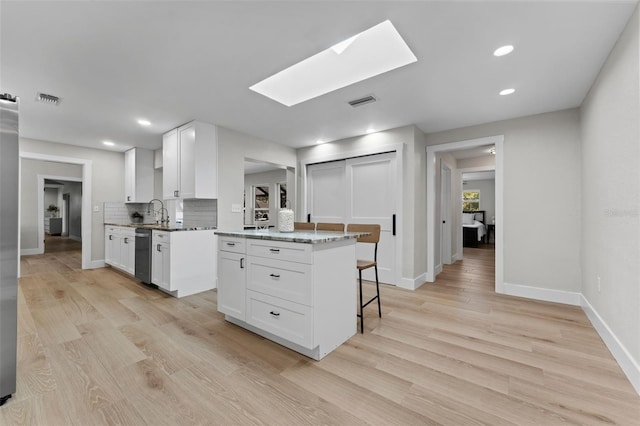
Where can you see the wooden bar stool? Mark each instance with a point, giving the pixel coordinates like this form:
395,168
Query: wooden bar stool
304,226
330,227
374,238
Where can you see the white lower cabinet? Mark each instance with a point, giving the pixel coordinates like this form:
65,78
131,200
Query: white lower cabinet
120,248
161,260
296,294
232,278
184,262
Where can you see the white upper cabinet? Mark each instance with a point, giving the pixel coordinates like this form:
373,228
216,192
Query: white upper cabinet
190,162
138,175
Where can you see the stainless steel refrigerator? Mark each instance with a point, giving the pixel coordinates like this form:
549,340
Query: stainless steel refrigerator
9,160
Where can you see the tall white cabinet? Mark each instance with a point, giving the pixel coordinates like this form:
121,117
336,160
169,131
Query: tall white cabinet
190,161
138,175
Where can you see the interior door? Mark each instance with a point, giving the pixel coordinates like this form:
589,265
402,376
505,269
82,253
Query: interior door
371,189
445,213
358,190
326,192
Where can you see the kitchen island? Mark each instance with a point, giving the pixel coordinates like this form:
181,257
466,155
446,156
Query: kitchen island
297,289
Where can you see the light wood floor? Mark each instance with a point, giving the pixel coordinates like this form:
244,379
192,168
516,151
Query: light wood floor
96,347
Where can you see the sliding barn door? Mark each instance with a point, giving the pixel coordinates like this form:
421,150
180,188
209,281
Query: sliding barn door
358,190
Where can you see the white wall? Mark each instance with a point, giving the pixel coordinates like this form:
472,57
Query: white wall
107,182
541,197
611,200
487,190
233,148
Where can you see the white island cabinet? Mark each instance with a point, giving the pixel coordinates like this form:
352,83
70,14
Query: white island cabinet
120,248
297,289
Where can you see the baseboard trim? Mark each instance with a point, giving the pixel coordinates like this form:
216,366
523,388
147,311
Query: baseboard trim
412,284
629,366
546,294
95,264
29,252
438,269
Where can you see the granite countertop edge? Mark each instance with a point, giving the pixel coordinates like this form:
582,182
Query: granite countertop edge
157,227
316,237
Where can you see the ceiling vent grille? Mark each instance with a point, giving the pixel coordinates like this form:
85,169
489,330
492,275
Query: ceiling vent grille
362,101
48,99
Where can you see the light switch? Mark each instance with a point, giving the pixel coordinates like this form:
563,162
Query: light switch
96,208
236,208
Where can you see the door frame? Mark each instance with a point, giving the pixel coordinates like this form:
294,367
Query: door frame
432,168
445,214
86,220
398,148
41,186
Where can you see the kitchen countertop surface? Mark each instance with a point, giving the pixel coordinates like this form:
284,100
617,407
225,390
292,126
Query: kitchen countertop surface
314,237
157,227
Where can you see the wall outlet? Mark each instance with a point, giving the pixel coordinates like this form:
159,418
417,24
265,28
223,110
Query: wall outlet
598,279
96,208
236,208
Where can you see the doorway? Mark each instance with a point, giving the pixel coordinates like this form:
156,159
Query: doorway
434,249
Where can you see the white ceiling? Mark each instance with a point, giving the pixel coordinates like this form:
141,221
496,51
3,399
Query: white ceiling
171,62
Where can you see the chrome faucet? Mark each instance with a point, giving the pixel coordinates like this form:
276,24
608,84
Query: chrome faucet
161,210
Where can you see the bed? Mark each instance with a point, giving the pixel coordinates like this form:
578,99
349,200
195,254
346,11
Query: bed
473,227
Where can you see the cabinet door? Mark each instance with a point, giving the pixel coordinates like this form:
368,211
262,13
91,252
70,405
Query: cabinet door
129,176
170,165
160,266
127,253
232,284
111,247
187,146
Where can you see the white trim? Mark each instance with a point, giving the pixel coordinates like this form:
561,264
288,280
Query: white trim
95,264
438,268
398,148
87,218
545,294
412,284
498,141
629,366
30,252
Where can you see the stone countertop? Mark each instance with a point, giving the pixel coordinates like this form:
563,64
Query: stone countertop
156,227
314,237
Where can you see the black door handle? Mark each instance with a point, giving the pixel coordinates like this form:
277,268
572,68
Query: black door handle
393,224
309,218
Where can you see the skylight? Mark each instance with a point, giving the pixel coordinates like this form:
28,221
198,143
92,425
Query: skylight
367,54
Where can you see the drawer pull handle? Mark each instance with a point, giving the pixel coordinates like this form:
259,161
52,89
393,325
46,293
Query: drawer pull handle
110,237
274,250
158,247
274,275
242,263
275,314
126,240
231,244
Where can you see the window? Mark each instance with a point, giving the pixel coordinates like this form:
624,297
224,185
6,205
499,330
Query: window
283,195
470,200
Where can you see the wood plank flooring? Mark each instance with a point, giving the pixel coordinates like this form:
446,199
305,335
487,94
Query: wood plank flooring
98,348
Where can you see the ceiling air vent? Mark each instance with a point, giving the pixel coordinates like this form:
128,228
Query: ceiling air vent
362,101
48,99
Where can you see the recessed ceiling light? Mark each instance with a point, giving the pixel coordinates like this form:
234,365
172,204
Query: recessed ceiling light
372,52
507,92
504,50
370,130
108,143
144,122
320,142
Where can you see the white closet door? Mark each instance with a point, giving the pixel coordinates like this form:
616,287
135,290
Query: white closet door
358,190
326,192
371,199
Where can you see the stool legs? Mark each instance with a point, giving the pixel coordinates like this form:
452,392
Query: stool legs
378,292
362,305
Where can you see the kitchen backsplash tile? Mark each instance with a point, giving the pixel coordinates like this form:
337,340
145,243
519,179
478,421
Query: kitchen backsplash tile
115,212
199,212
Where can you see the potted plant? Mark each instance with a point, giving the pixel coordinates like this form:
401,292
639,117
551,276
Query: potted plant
136,217
53,210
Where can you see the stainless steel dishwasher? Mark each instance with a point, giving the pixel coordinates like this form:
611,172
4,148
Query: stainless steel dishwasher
143,255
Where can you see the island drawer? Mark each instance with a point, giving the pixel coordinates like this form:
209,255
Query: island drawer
234,245
294,252
285,319
286,280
